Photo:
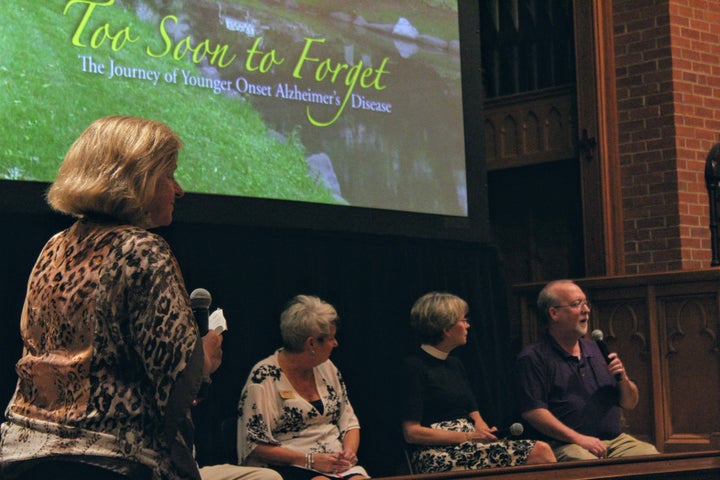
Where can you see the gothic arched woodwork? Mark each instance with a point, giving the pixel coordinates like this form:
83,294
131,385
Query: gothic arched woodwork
538,128
539,51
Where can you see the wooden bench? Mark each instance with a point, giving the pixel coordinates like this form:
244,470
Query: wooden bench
689,465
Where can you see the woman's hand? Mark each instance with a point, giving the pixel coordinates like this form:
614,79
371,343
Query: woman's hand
212,347
350,456
331,462
484,435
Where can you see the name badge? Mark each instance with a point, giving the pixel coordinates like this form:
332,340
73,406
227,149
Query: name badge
287,394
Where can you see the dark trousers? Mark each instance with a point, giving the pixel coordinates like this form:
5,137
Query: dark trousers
68,470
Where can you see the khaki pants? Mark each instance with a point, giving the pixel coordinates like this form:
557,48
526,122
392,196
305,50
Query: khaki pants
623,445
237,472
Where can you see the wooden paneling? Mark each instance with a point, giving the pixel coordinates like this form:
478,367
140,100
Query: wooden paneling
532,128
665,329
576,119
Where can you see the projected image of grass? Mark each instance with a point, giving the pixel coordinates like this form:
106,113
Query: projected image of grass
228,148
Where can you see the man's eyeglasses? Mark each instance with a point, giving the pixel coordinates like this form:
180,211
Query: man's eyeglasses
576,305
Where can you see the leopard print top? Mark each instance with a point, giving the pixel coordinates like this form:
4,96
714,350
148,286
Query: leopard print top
112,357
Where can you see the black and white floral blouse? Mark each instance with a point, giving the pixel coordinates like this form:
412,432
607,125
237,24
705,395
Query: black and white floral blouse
272,412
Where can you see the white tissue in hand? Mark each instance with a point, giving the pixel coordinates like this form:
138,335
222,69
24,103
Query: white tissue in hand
217,321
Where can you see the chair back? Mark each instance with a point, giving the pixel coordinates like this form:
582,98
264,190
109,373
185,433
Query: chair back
228,432
408,461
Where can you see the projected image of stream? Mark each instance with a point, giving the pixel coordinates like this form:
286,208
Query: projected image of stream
398,144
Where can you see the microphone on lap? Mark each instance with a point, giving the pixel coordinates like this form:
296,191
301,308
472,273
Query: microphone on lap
514,430
598,336
200,300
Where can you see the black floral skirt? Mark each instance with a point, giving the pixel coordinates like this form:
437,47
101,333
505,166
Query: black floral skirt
468,455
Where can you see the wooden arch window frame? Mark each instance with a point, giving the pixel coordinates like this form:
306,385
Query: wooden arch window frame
586,128
598,143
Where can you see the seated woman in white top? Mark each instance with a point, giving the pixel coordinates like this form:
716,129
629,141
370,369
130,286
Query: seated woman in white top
295,416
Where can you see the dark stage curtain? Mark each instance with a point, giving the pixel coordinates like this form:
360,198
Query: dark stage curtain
371,280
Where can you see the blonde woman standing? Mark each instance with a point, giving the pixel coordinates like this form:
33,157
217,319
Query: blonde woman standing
112,356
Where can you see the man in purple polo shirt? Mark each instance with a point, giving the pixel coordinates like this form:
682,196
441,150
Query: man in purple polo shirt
566,390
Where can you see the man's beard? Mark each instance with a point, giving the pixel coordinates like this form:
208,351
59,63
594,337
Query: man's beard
582,329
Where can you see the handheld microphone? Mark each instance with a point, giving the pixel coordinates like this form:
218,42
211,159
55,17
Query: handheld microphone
598,336
514,430
200,300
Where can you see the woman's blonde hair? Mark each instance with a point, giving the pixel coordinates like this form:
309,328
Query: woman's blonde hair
113,167
435,312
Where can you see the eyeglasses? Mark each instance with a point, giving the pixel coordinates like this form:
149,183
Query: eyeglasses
465,320
576,305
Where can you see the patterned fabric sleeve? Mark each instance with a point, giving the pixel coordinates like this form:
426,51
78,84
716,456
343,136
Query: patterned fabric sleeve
166,340
348,420
257,410
161,324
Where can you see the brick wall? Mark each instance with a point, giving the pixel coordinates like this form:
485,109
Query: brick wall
668,89
695,31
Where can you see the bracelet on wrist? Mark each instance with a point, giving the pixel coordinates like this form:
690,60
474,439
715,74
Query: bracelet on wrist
469,436
309,460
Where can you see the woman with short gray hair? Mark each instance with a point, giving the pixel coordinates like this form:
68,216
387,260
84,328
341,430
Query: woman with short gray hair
306,316
295,415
